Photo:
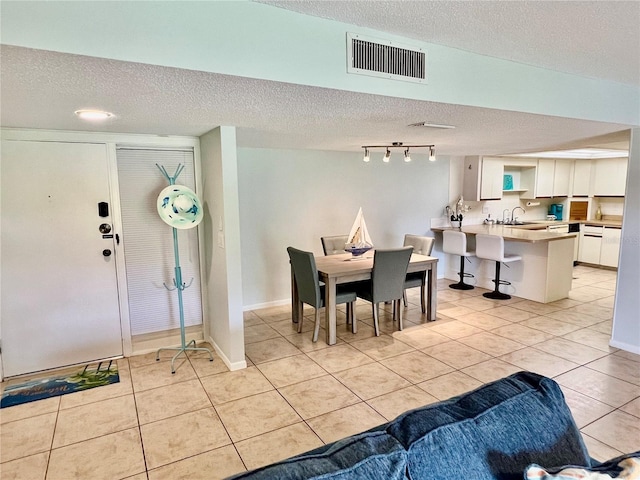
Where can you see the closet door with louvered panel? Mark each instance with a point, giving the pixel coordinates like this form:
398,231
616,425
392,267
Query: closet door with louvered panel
148,241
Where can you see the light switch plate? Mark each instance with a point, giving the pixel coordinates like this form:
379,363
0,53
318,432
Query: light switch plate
485,209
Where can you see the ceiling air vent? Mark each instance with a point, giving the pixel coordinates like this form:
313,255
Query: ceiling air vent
384,58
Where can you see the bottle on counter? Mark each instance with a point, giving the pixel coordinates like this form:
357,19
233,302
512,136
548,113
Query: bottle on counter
599,213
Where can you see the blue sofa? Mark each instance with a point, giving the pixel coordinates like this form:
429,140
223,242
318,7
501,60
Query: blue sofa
493,432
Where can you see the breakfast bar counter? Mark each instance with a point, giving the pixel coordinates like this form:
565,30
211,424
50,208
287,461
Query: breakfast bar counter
543,275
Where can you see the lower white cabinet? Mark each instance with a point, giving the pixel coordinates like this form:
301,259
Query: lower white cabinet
599,245
610,249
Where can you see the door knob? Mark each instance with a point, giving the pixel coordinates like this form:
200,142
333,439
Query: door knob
106,252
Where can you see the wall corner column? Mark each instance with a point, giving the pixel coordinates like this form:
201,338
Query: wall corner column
625,333
222,267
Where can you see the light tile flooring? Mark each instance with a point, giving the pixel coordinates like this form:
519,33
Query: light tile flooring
207,422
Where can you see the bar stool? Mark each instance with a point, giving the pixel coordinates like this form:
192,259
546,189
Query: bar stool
455,242
491,247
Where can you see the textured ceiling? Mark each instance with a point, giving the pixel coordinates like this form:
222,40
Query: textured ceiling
41,89
599,39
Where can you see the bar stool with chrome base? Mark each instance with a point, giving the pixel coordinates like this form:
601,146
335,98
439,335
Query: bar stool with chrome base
455,243
491,247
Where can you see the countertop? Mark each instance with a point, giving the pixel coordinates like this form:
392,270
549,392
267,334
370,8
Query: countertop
604,223
537,224
513,233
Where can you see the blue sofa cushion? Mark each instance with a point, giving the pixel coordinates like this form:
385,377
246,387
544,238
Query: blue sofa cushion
493,432
370,455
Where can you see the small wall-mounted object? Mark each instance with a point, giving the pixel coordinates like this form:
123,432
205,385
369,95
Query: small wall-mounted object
103,209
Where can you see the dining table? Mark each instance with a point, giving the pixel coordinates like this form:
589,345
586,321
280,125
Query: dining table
344,268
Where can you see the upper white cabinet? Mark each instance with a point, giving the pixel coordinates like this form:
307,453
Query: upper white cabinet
553,177
609,176
581,178
562,176
492,178
484,177
544,177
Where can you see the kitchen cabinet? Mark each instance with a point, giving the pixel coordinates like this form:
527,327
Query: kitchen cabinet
562,177
590,244
544,177
483,177
492,179
599,245
609,176
581,178
553,177
524,177
610,248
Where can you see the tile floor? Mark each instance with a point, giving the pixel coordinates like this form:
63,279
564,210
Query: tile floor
207,422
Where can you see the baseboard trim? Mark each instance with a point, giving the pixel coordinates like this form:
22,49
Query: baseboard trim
230,365
627,347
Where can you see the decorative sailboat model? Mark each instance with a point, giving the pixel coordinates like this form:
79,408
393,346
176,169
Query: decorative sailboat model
359,241
179,207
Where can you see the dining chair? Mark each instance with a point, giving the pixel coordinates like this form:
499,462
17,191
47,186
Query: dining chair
334,244
387,282
311,292
422,246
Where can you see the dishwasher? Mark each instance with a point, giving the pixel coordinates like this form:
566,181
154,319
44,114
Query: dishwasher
590,244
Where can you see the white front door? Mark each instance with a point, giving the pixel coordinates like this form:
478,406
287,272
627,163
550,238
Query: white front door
59,301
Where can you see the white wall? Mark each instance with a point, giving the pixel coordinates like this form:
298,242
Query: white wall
222,275
626,319
255,40
290,197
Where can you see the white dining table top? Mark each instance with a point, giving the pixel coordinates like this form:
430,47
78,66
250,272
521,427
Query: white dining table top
341,264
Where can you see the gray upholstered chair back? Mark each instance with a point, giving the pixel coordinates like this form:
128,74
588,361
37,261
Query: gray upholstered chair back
389,271
306,275
334,245
421,245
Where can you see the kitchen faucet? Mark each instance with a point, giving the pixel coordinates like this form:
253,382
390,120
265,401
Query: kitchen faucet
513,219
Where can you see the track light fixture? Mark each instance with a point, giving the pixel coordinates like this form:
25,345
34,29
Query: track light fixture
407,155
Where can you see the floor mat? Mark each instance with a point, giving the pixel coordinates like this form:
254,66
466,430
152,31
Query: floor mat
90,376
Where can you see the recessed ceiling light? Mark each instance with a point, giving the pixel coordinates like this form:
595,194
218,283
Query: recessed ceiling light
93,114
431,125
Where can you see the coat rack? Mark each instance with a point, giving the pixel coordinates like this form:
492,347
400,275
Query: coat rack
178,284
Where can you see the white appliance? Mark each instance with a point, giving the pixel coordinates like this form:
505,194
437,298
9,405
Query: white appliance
564,228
